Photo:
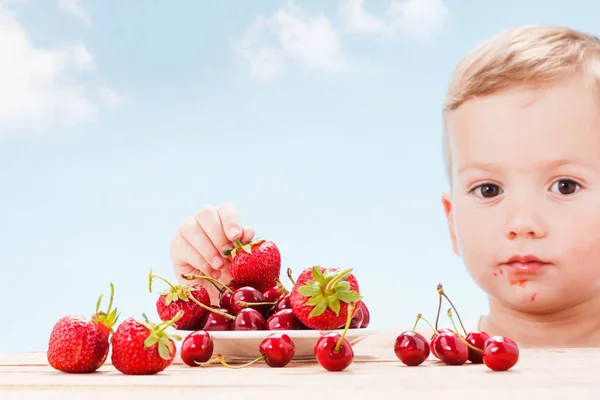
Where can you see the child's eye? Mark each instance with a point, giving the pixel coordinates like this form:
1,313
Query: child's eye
487,190
565,186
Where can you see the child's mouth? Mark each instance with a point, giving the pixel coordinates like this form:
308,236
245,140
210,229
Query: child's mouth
525,265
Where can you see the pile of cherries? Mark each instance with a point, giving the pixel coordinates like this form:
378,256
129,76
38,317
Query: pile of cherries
245,308
498,353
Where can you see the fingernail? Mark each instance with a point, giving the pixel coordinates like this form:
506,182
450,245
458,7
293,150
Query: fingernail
233,233
217,262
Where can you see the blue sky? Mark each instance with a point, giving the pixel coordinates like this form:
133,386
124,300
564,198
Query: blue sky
319,120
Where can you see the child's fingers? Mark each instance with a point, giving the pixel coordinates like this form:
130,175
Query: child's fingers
210,223
231,221
186,259
247,235
199,240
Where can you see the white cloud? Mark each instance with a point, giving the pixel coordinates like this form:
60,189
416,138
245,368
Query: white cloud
39,88
75,9
290,36
419,19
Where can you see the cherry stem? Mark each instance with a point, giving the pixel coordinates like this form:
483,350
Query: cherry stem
210,309
222,360
437,317
211,361
416,322
289,274
351,309
420,316
459,335
441,292
191,277
262,303
282,288
331,284
151,277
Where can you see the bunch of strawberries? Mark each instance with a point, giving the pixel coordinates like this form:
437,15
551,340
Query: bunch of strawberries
321,298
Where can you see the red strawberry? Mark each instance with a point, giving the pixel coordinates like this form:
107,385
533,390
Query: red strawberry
186,298
255,264
78,344
320,297
139,347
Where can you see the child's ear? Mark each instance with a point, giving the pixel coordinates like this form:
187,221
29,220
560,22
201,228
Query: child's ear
446,201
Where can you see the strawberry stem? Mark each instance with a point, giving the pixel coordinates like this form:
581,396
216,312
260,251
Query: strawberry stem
214,282
441,292
210,309
151,277
459,335
351,309
222,360
329,288
160,328
289,274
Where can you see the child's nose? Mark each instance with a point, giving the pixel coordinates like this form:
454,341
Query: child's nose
525,223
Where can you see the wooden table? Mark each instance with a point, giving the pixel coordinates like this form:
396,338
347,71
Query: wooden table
376,373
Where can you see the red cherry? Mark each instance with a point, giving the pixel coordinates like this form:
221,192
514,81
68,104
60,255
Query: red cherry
366,315
432,340
329,357
272,294
411,348
357,319
283,320
217,322
278,349
451,349
247,294
224,300
284,303
196,347
248,319
500,353
476,339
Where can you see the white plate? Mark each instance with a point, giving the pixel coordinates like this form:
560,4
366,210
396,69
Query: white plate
244,344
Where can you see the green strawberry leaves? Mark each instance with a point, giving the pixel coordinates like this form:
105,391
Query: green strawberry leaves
157,335
240,246
328,290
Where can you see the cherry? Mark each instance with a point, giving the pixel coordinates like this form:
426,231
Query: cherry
357,319
247,294
284,303
272,294
248,319
196,347
277,349
217,322
332,350
283,320
366,315
411,348
500,353
451,349
432,340
477,339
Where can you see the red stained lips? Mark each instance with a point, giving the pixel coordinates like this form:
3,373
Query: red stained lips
525,265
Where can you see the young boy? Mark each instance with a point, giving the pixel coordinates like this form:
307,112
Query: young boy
522,142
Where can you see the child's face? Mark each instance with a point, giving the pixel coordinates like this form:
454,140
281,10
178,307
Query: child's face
526,182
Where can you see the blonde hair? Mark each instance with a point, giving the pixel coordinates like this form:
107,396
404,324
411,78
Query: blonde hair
525,56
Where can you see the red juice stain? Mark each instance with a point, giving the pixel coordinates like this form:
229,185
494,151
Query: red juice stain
501,271
495,274
533,296
520,282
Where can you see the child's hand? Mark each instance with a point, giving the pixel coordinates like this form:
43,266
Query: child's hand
197,247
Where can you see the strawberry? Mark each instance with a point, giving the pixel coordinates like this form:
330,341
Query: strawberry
187,298
80,345
320,297
140,347
255,264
